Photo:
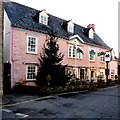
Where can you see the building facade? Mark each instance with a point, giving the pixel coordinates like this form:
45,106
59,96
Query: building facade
25,32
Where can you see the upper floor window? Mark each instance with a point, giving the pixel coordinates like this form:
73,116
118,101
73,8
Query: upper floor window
92,52
92,58
31,44
43,17
72,52
70,27
102,59
43,20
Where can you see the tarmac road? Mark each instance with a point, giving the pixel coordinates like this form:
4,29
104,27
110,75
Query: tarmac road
96,104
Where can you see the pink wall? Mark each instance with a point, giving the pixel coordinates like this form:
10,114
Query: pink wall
113,65
20,55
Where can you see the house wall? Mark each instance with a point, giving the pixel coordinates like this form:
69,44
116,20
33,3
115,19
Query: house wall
113,65
21,57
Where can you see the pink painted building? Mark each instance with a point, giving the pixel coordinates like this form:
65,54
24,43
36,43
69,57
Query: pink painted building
25,32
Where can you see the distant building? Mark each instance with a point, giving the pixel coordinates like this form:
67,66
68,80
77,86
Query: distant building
119,67
25,33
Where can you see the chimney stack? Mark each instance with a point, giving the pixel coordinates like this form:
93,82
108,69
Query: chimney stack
91,26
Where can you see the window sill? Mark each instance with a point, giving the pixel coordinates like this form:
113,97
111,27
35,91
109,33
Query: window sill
31,80
102,61
75,58
31,53
92,60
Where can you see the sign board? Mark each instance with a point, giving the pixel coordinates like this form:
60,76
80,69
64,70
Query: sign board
107,56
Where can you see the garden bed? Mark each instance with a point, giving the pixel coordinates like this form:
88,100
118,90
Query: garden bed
49,90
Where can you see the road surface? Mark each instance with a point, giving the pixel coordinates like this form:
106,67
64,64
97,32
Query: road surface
95,104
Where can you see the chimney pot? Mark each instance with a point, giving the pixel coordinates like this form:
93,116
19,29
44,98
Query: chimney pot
91,26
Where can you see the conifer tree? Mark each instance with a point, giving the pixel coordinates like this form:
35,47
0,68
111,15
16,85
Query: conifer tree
51,72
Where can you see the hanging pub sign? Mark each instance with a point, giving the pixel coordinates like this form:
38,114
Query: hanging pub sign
107,56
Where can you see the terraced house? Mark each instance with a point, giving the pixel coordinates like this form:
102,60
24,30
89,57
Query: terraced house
25,31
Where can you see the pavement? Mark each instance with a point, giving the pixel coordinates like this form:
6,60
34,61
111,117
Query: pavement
4,100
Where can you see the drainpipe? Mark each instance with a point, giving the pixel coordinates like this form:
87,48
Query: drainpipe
11,56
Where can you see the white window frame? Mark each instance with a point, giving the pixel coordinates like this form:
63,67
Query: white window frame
77,55
27,72
112,74
102,58
32,52
74,53
92,56
70,27
43,19
70,50
91,34
83,73
75,71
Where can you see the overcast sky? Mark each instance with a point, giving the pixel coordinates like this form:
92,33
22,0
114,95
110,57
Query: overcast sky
102,13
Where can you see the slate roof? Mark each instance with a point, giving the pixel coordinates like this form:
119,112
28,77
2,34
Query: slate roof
24,16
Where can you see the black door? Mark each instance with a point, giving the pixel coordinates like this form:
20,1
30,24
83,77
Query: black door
7,78
81,74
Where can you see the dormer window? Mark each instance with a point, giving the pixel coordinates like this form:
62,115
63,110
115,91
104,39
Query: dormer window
91,34
70,27
91,31
43,17
43,20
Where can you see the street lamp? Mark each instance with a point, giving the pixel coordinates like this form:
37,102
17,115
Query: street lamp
107,60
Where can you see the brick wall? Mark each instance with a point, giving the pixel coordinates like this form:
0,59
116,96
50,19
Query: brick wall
20,56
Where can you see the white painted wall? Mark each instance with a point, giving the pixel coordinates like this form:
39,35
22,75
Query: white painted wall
6,38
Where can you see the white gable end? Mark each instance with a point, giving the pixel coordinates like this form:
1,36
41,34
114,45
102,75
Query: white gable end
76,36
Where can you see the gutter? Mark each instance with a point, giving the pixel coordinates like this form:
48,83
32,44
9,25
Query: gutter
11,56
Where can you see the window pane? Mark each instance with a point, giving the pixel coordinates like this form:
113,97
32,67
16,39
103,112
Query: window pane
70,50
31,72
74,52
91,57
31,44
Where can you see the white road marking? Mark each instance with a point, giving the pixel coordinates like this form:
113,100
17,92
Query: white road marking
22,115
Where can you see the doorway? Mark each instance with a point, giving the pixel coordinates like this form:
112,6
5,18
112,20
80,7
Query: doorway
7,78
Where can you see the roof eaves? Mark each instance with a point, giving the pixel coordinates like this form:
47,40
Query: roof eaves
36,30
108,48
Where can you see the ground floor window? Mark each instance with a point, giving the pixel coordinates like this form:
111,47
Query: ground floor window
82,74
101,75
69,70
112,74
31,72
75,72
